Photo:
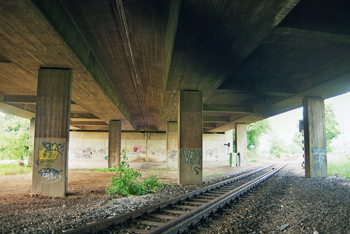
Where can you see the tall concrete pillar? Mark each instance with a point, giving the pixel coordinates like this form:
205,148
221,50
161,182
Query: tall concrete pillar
190,138
172,145
229,144
315,137
50,169
241,144
31,142
114,143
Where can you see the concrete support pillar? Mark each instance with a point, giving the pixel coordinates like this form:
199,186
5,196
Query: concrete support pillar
50,169
241,144
114,143
172,145
190,129
229,145
31,142
315,137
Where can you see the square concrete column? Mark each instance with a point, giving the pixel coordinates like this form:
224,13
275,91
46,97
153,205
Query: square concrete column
228,144
315,137
190,138
172,145
50,169
114,143
31,142
241,144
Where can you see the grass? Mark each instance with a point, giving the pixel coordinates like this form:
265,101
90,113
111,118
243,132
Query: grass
337,169
163,169
215,174
13,169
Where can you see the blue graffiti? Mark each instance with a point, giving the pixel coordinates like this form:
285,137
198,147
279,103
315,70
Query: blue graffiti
37,162
319,155
50,173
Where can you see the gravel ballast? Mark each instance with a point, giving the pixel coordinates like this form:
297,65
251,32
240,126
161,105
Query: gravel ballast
287,201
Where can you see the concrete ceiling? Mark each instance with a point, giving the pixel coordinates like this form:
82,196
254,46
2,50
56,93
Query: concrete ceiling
252,59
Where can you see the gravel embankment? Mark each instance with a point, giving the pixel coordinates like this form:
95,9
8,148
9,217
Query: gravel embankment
300,205
307,205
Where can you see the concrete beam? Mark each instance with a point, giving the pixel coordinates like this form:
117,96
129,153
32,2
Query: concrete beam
82,116
216,119
90,123
60,20
20,99
227,108
9,109
2,96
263,88
335,74
312,35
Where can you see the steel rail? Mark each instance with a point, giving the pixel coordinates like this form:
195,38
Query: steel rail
114,220
183,222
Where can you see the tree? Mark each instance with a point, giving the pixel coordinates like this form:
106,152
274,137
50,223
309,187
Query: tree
332,126
278,147
14,135
255,130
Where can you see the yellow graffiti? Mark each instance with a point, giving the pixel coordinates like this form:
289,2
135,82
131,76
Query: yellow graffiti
48,153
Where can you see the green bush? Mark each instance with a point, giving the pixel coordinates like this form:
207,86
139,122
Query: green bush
338,169
126,182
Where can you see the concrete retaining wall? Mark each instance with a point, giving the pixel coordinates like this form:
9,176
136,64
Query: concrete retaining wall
139,147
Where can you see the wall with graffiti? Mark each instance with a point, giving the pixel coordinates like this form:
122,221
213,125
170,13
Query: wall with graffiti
88,146
138,146
142,147
214,148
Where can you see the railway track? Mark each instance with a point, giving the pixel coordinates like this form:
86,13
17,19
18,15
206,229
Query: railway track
176,215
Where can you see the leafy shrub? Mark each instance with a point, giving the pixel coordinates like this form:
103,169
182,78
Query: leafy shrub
126,182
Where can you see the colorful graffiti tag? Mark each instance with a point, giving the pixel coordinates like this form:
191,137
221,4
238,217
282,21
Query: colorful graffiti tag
50,174
48,153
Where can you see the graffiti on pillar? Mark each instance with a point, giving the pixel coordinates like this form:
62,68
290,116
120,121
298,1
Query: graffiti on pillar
172,154
51,175
192,156
49,151
197,169
319,155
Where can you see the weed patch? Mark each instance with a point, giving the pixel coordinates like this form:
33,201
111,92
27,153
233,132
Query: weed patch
13,169
126,182
342,170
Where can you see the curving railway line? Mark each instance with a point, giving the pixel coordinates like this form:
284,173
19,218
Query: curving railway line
176,215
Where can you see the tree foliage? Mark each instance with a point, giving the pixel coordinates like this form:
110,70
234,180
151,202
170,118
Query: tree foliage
332,129
255,130
14,135
332,126
278,147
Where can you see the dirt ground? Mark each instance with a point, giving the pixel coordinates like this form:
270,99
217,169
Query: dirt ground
83,182
80,182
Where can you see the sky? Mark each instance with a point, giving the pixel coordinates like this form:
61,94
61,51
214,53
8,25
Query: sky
286,125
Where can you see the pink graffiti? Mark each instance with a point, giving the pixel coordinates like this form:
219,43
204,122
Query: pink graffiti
135,149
